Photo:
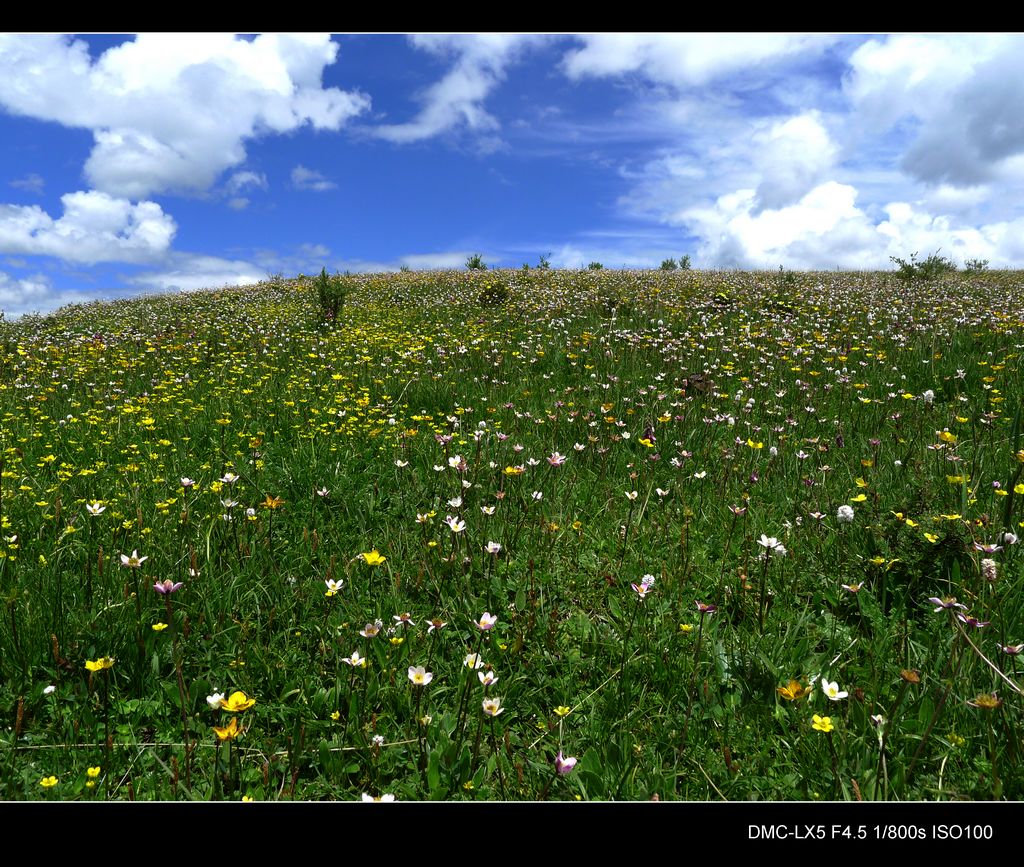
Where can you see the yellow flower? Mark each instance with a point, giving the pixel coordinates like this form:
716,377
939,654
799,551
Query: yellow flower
562,710
793,690
48,782
947,437
1019,489
860,498
159,627
860,483
92,773
822,723
373,558
685,627
931,537
228,732
100,664
272,502
336,716
237,702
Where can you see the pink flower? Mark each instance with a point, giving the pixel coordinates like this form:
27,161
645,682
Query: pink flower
564,764
486,621
165,588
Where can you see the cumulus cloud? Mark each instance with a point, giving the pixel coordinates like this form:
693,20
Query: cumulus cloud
479,65
683,59
964,94
185,271
171,114
94,227
309,179
33,294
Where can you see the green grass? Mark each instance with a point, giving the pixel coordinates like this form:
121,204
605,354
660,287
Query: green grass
699,414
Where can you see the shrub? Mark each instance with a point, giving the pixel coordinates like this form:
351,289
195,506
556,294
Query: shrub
669,265
493,294
595,266
476,263
331,292
976,265
932,268
684,262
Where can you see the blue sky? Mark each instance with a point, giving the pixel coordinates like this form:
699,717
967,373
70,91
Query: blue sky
165,162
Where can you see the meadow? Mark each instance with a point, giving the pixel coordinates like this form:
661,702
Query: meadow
517,535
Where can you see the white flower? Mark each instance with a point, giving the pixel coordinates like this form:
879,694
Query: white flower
473,661
384,798
768,541
419,675
537,496
455,502
493,548
133,562
492,706
928,396
377,740
229,478
632,495
487,677
50,690
214,700
95,508
456,525
400,464
487,510
845,514
832,690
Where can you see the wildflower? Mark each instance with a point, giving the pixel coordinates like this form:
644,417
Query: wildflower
910,675
987,549
93,773
793,690
229,478
50,690
556,459
492,706
419,675
472,660
1011,649
928,397
215,701
988,569
167,587
832,690
159,627
537,496
95,508
971,621
48,782
946,602
382,798
237,702
100,664
272,502
186,482
456,525
371,630
133,562
373,558
333,586
228,732
562,710
564,764
377,740
641,589
487,678
708,608
487,510
845,514
822,723
768,542
632,495
853,588
986,701
322,492
486,621
492,548
455,502
686,628
435,623
355,660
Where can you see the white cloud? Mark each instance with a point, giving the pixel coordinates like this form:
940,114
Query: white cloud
309,179
964,95
457,100
241,180
792,156
439,261
31,183
94,228
34,294
683,59
170,113
186,271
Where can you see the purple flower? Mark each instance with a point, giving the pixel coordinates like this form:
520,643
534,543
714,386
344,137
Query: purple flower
564,764
166,588
972,621
706,608
946,602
